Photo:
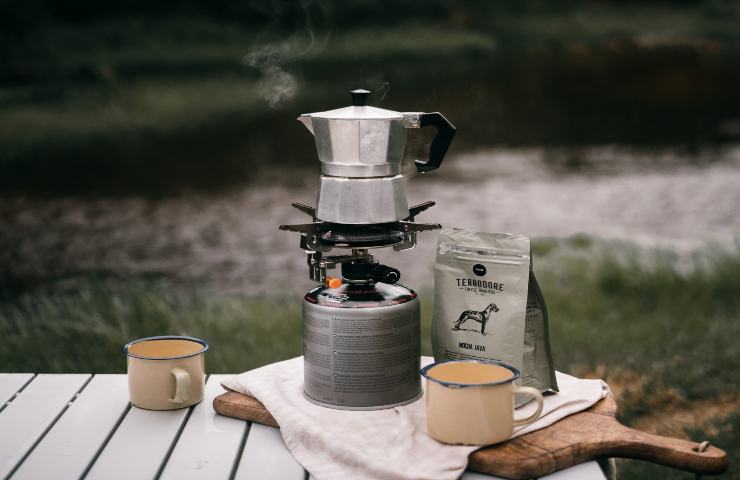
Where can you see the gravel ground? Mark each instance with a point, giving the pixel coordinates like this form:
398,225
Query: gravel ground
231,240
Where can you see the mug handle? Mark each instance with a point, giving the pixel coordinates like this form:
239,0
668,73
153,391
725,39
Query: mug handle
182,385
538,398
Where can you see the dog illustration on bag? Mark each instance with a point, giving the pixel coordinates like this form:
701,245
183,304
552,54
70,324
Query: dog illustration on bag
476,316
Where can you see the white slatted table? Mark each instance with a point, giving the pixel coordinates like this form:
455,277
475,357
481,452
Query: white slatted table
82,426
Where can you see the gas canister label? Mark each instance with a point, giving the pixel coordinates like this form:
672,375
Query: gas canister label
361,361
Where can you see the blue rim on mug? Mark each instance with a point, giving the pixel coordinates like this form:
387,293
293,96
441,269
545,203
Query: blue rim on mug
166,337
515,373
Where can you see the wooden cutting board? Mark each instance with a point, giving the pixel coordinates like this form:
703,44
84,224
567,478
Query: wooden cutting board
579,438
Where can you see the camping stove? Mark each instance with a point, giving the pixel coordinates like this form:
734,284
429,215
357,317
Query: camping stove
361,331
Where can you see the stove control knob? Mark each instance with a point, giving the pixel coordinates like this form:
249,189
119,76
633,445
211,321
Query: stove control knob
333,282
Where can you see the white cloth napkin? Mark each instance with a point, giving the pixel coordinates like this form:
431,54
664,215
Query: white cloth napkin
381,444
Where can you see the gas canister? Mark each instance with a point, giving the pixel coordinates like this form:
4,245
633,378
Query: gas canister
361,345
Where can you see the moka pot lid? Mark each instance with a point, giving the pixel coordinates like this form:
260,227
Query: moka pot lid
358,111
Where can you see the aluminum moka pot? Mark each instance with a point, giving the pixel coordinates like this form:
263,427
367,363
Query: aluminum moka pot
361,149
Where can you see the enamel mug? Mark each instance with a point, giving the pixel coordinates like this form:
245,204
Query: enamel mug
166,373
472,403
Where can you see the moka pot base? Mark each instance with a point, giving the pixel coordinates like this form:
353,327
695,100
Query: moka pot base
361,200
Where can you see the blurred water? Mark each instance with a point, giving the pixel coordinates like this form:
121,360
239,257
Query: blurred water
231,240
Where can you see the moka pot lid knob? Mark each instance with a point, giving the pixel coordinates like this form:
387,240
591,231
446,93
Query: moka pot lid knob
359,97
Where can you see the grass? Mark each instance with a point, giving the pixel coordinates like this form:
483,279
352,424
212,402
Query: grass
598,23
83,329
142,106
661,329
673,321
143,45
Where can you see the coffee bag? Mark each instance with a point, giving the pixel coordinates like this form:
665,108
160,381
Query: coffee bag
488,305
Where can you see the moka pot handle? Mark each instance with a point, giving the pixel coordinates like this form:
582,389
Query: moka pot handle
440,143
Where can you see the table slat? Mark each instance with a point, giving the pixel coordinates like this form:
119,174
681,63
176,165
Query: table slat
266,456
139,445
209,443
68,448
583,471
29,415
10,383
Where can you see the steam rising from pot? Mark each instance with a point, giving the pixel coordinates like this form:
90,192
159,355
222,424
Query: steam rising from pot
276,84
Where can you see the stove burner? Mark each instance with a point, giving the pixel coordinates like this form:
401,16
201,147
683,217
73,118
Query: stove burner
367,237
323,236
359,236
